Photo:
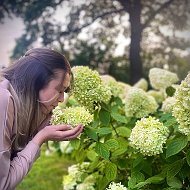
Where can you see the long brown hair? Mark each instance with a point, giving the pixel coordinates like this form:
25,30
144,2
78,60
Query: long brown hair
28,76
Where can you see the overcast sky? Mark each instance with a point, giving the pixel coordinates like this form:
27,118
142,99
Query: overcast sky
9,31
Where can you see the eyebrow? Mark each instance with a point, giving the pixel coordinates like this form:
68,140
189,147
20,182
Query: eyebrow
60,86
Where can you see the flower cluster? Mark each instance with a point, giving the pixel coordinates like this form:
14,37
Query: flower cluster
142,83
71,116
139,103
116,186
168,104
78,178
161,79
88,88
181,108
148,136
118,89
159,96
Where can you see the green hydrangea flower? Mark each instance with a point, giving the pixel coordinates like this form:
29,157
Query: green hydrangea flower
78,177
161,79
148,136
69,182
139,103
88,88
181,108
159,96
71,115
168,104
118,89
116,186
142,83
85,186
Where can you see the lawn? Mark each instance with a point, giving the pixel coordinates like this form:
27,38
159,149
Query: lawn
46,173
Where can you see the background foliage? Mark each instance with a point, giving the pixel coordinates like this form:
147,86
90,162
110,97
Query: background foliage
150,28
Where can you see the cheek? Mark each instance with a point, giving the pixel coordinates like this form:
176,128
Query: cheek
47,97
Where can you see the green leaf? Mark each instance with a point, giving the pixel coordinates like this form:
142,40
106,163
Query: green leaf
102,150
147,167
122,163
174,168
118,101
138,160
91,133
123,131
170,91
81,155
112,144
104,131
119,151
110,171
141,184
174,182
165,116
170,122
188,157
102,183
91,155
104,117
136,177
75,143
118,117
176,145
154,179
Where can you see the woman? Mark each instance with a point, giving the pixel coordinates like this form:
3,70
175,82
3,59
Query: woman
29,91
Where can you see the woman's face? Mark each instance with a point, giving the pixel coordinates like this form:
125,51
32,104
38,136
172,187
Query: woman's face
53,93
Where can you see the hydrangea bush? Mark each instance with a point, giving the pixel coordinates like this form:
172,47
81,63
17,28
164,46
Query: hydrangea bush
139,142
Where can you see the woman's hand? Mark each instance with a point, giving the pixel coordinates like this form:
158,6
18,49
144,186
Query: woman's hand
57,133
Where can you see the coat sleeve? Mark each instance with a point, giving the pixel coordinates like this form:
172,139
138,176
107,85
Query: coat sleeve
12,171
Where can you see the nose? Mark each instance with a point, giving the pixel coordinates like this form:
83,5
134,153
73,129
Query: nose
61,97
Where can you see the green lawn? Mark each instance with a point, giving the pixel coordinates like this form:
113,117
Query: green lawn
46,173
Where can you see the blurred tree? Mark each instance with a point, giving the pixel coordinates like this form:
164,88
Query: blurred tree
102,21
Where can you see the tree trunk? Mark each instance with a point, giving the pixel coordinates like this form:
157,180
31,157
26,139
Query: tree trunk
135,46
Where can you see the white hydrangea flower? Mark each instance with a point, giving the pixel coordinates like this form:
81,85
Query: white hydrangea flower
71,116
88,88
161,79
118,89
69,182
159,96
142,83
181,108
65,147
77,170
85,186
139,104
76,176
168,104
148,136
116,186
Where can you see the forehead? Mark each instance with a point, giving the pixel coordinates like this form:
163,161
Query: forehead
61,79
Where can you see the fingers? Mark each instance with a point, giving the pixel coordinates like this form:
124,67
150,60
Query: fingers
70,134
75,135
63,127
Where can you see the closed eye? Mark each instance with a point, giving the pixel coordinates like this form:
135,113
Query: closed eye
68,89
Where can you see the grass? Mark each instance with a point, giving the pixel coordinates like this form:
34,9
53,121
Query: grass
46,173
